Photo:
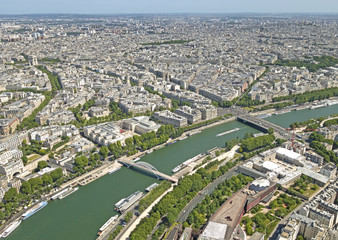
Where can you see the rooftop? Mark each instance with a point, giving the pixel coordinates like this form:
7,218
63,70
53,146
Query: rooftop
288,153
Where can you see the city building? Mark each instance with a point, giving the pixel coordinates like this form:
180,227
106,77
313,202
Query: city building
329,170
193,115
167,117
7,126
10,162
224,221
140,125
104,133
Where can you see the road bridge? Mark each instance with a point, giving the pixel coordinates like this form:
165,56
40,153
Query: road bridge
148,168
264,125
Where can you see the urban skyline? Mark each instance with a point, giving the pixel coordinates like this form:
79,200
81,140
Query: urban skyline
174,6
230,121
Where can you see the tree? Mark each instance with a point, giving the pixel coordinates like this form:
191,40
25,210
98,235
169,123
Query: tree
280,212
10,195
270,131
248,229
39,181
42,165
104,151
96,156
171,216
34,183
47,179
128,216
56,174
24,159
257,142
59,182
273,204
79,162
26,188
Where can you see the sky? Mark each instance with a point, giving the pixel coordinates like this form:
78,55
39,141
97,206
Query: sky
166,6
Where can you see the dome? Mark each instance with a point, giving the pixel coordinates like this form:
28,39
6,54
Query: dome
259,184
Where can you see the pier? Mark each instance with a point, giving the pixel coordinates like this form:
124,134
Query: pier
148,168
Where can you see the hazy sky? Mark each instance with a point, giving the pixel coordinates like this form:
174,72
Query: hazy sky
165,6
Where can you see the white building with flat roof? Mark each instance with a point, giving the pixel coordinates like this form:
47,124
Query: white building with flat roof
289,156
104,133
140,125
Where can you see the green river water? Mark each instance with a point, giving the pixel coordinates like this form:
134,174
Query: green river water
80,215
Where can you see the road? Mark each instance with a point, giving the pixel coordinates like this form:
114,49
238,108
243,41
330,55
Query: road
202,194
322,123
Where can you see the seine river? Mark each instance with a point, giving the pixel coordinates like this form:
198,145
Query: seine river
80,215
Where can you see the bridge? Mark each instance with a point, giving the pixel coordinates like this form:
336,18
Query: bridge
148,168
264,125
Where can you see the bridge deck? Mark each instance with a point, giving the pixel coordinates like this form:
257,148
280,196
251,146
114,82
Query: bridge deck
263,124
157,173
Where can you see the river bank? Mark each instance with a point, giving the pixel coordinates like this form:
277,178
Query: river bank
297,107
80,215
188,170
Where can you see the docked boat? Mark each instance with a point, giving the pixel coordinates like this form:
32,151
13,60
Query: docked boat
282,112
151,187
176,169
317,106
332,102
136,159
114,170
301,108
193,133
126,203
68,192
264,115
104,226
169,143
11,227
150,151
227,132
186,163
119,203
183,138
59,193
34,210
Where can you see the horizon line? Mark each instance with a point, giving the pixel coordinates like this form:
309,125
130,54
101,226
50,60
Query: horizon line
173,13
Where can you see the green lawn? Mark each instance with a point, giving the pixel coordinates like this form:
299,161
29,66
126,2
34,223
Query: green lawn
213,168
33,157
309,192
